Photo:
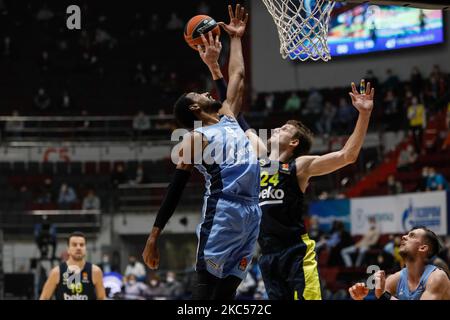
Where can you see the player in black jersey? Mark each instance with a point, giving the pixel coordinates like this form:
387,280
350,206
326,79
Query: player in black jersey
288,261
75,279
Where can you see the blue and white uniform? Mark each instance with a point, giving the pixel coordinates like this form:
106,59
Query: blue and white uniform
403,292
231,215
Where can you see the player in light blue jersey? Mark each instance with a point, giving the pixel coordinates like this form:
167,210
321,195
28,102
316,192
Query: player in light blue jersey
220,150
419,280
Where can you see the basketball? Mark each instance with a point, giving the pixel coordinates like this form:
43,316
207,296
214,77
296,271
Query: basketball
198,25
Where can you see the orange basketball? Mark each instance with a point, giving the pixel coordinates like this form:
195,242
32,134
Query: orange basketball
198,25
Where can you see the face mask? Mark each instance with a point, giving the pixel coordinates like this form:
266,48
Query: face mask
170,280
153,283
132,263
105,260
131,282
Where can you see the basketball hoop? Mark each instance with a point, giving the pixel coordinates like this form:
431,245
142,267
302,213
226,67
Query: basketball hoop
302,27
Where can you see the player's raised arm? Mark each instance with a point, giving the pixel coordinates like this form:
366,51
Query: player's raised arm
191,148
236,69
210,53
320,165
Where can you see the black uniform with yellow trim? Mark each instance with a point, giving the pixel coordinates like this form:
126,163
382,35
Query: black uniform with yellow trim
288,261
75,285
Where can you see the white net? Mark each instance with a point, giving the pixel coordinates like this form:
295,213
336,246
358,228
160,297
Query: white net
302,27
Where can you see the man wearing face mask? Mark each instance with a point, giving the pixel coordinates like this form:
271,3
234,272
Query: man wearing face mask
173,286
368,240
136,268
436,181
133,289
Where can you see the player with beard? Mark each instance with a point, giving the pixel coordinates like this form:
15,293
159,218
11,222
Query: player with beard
419,280
75,279
220,150
288,261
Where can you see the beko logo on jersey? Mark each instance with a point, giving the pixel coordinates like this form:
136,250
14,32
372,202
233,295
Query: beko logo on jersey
272,193
75,296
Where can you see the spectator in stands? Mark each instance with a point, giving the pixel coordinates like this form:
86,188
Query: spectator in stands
91,201
313,108
65,101
44,14
156,289
446,144
41,100
14,126
174,287
392,248
406,158
44,62
368,240
24,198
6,50
135,267
269,101
118,176
203,8
391,112
416,81
344,116
86,123
46,194
293,103
174,23
436,181
340,238
325,123
139,75
141,123
392,81
67,197
370,77
45,236
394,186
140,176
104,39
105,264
422,185
155,23
417,122
314,231
134,289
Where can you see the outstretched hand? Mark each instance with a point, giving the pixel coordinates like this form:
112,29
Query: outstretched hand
210,51
363,101
359,291
238,22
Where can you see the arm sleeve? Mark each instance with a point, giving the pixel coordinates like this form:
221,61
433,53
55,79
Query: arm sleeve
242,122
221,87
172,198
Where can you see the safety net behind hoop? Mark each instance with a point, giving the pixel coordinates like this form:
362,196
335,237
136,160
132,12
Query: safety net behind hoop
302,27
